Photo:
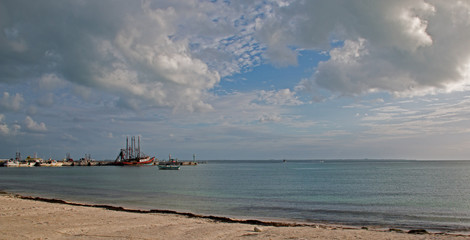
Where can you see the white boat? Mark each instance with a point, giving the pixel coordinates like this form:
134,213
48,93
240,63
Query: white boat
51,163
56,164
27,164
12,163
35,158
169,167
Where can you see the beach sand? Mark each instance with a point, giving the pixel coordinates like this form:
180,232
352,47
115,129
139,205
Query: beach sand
32,219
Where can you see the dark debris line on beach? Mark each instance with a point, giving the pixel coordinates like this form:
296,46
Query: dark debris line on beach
211,217
192,215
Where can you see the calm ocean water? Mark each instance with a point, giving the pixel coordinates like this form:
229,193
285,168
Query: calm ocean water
433,195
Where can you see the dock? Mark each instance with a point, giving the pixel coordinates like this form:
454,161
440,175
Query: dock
91,163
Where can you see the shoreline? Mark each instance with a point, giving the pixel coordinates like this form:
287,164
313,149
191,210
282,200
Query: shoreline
253,223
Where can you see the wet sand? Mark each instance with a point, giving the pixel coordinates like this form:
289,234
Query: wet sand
34,218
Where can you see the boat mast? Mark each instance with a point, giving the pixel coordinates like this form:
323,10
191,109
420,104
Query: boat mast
138,151
126,155
133,149
131,152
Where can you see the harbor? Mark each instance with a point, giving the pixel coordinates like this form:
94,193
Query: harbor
131,155
85,163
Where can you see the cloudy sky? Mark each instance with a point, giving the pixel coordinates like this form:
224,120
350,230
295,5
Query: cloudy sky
270,79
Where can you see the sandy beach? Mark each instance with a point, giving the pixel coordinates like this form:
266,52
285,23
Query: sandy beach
33,219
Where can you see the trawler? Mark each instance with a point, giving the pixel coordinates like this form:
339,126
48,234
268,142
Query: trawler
131,155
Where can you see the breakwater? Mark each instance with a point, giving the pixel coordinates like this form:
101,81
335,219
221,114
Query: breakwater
3,163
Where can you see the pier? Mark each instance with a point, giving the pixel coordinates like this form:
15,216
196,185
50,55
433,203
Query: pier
131,155
90,163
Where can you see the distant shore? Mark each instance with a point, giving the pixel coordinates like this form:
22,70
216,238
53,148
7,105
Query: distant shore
32,218
102,163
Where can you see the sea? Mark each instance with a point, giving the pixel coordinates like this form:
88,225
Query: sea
431,195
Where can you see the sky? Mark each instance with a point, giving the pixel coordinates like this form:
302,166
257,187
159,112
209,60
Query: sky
247,79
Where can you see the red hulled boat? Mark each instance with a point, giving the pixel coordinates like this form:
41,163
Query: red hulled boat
131,155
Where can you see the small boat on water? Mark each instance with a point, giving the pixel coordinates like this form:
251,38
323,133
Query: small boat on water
169,167
172,164
131,155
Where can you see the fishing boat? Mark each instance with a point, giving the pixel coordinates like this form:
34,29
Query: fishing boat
169,167
27,164
172,164
33,161
67,158
132,156
139,161
12,163
50,163
17,162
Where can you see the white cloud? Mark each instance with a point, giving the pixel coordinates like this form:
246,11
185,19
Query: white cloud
173,54
434,117
133,50
11,103
282,97
50,81
31,125
350,53
165,58
269,118
6,130
402,47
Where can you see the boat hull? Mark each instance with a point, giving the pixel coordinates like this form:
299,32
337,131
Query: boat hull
137,162
28,164
168,167
51,164
12,164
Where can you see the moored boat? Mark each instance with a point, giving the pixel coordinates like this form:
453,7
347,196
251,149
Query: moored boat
12,163
169,167
27,164
172,164
33,161
132,156
50,163
35,158
68,158
139,161
16,162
